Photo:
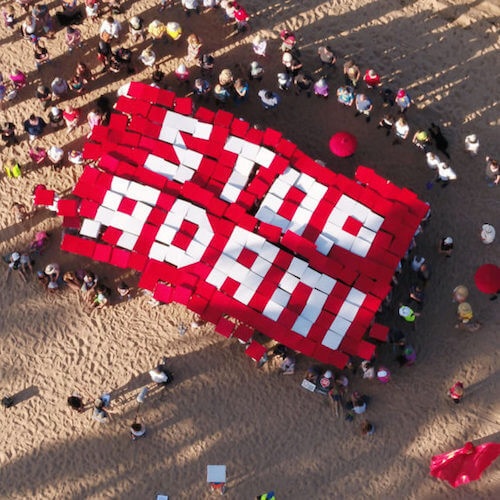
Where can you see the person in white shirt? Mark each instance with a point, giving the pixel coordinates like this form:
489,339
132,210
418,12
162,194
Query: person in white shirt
269,99
111,27
432,160
471,144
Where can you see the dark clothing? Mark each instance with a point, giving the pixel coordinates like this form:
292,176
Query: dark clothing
36,128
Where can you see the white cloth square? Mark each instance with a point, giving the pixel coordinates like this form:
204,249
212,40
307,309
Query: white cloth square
112,200
120,185
203,130
234,144
90,228
302,326
158,251
127,241
265,157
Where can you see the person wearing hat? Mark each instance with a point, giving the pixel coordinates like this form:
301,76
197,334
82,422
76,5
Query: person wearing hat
488,234
403,100
446,246
136,29
157,29
174,30
14,262
407,313
147,57
55,116
421,139
52,271
190,6
471,144
182,74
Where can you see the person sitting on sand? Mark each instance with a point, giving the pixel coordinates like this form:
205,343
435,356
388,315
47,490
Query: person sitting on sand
100,299
124,291
161,375
75,402
357,404
14,262
88,286
137,430
368,370
101,409
287,366
367,429
19,211
53,272
26,267
72,280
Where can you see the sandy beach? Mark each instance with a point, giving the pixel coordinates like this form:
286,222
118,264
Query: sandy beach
221,409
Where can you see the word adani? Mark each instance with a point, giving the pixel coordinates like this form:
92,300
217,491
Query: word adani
238,222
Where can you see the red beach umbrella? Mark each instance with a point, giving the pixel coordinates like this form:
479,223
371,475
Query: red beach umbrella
343,144
487,278
461,466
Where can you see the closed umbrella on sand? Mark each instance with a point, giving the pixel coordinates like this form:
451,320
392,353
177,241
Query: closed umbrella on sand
343,144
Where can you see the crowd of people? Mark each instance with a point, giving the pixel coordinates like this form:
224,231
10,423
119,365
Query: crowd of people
364,91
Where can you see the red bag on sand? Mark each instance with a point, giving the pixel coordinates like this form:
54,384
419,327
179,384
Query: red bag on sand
464,465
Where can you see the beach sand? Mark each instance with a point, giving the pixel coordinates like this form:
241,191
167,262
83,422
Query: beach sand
221,409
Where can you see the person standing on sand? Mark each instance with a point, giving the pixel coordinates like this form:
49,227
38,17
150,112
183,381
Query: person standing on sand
456,392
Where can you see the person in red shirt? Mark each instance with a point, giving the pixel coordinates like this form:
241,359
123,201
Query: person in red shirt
71,116
371,78
241,16
456,392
